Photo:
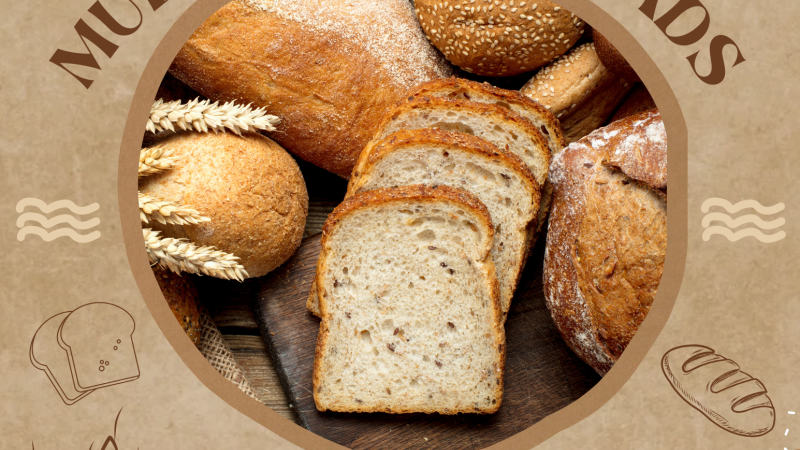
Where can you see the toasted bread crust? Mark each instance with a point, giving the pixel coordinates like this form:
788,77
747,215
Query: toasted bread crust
577,308
453,85
418,193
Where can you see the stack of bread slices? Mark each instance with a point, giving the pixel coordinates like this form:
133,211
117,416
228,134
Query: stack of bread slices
420,262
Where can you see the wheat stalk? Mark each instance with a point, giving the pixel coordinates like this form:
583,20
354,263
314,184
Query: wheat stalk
164,211
203,115
155,159
180,255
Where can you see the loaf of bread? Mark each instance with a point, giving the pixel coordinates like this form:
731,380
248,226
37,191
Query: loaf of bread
47,356
579,91
328,68
607,236
499,38
612,59
250,188
182,297
410,305
638,101
499,179
715,386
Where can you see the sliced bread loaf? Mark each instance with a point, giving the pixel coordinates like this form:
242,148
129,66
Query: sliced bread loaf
410,305
468,90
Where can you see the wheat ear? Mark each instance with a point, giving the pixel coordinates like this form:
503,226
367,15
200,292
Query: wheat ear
203,116
164,211
155,159
180,255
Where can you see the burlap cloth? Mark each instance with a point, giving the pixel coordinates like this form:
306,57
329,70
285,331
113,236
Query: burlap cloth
216,351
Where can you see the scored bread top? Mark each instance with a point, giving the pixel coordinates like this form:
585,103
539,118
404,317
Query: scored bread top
499,115
418,193
463,89
598,294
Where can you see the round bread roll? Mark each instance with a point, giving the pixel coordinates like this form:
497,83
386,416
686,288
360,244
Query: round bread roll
499,38
329,69
579,91
183,299
250,188
607,236
613,59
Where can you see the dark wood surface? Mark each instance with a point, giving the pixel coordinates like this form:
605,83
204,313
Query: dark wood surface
542,375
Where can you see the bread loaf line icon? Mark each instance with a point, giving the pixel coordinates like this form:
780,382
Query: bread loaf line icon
86,349
715,386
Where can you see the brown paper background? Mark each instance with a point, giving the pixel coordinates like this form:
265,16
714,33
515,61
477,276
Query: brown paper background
63,142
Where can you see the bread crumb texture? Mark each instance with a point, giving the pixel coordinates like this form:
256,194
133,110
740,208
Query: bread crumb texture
250,188
410,308
499,37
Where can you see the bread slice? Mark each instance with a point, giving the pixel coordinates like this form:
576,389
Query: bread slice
410,305
47,356
468,90
499,126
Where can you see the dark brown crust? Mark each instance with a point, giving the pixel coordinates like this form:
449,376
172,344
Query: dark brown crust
482,109
571,172
447,86
413,193
453,32
328,91
638,101
182,297
613,59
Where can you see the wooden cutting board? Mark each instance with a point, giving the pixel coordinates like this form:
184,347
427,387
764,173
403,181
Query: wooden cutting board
542,373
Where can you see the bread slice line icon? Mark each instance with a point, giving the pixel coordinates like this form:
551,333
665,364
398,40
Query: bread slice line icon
86,349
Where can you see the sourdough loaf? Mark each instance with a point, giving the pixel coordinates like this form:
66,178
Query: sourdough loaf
607,236
410,305
499,38
328,68
579,91
250,188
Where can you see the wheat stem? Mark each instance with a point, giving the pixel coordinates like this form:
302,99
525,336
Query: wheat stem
155,159
197,115
164,211
180,255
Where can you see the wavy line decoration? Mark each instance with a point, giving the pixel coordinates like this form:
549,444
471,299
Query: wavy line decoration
43,222
731,222
57,220
58,204
61,232
744,204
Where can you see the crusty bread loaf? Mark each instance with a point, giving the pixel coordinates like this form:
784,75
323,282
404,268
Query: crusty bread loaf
328,68
47,356
499,38
98,339
579,91
182,297
499,179
410,305
250,188
467,90
612,59
638,101
607,236
714,385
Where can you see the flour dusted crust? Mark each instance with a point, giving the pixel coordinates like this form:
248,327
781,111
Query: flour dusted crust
607,236
499,38
328,68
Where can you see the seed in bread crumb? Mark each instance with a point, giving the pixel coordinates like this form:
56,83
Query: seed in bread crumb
390,346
